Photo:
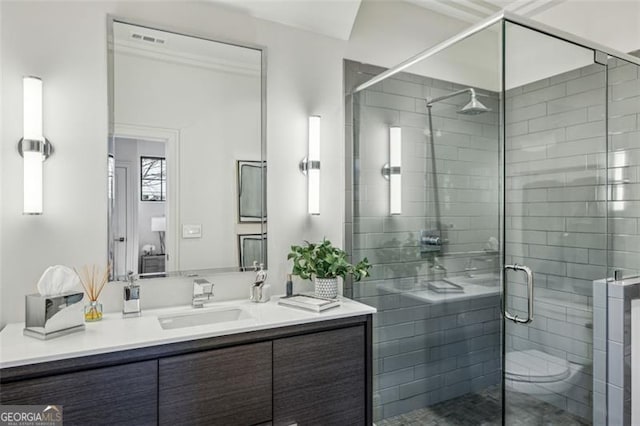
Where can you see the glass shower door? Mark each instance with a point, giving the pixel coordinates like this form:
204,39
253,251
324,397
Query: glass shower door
555,225
435,281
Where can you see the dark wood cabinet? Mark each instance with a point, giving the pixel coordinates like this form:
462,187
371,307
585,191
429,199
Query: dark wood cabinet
119,395
319,378
229,386
310,374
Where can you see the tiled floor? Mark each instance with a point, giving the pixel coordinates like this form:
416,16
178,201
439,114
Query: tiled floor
484,408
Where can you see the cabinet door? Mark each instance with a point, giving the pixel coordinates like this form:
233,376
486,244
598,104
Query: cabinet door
230,386
120,395
319,378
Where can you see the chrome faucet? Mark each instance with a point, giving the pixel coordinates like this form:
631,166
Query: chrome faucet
202,292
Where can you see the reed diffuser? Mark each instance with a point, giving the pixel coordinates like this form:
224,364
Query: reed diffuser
93,281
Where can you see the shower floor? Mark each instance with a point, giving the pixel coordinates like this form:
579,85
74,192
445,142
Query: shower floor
484,408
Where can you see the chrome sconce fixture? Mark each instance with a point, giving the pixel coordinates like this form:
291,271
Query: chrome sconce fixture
33,147
310,166
392,171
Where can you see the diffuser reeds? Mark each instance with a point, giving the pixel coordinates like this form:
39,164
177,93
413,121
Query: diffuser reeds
93,280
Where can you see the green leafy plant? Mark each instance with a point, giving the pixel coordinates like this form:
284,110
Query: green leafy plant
323,260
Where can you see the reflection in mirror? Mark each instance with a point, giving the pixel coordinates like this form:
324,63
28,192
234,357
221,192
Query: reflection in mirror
153,178
251,198
249,248
186,172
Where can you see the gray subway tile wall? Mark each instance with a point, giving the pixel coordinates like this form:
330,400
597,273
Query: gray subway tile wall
623,241
425,352
555,184
556,179
571,214
612,350
612,311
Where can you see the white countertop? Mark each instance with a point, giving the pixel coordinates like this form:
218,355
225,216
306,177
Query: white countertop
114,333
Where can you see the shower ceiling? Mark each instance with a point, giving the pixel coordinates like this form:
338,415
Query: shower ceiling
476,10
339,18
332,18
336,18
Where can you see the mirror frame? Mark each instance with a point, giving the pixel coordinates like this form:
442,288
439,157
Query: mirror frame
111,20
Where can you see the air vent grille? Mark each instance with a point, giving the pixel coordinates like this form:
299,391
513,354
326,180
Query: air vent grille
147,38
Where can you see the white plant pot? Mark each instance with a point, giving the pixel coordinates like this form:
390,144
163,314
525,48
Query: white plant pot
326,287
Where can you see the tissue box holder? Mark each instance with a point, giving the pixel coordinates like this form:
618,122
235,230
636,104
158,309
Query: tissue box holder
53,316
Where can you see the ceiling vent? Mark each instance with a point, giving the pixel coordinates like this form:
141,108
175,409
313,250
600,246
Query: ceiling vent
147,38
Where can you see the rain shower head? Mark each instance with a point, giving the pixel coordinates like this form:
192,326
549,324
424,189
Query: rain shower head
473,107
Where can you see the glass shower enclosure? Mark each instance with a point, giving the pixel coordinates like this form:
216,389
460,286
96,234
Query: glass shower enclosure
493,179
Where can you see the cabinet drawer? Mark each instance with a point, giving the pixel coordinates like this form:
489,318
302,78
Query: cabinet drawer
124,394
230,386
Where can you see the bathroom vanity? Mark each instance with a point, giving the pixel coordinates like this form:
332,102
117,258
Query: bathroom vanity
280,366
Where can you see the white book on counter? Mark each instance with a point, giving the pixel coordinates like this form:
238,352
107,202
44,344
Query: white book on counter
309,302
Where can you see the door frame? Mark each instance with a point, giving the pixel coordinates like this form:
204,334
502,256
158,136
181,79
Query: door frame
131,212
171,139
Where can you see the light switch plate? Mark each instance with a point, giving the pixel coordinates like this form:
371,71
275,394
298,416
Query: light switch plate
191,231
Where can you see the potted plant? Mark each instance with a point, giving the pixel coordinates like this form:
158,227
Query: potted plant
325,263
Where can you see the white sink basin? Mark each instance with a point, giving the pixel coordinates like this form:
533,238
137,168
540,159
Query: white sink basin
210,316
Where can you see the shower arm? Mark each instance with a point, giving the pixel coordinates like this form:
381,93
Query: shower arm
430,102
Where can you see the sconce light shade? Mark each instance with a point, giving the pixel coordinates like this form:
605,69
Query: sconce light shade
158,224
392,171
310,166
395,178
32,104
32,166
33,146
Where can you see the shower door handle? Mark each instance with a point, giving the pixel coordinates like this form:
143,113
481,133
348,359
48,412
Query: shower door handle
529,274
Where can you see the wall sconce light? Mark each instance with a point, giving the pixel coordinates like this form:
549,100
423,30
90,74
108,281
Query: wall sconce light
392,170
33,147
310,166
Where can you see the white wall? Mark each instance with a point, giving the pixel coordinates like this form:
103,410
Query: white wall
2,143
608,22
476,61
387,32
69,51
551,56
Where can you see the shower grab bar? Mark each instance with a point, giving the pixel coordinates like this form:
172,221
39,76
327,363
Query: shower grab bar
529,274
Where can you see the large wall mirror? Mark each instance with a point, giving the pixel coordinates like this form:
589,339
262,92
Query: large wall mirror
187,169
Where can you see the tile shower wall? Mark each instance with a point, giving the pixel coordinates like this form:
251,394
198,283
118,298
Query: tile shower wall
624,167
623,236
424,352
557,212
613,340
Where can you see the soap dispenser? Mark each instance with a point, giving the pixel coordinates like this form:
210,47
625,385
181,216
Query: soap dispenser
131,306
